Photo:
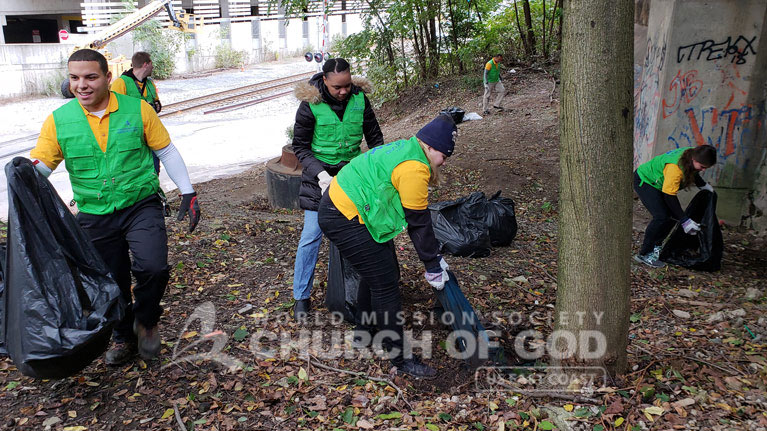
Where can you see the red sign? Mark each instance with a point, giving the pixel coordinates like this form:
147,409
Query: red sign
63,34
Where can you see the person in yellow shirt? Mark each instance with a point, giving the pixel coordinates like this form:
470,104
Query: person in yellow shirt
657,183
137,82
107,140
373,199
491,78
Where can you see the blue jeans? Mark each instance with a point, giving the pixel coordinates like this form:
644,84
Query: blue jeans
306,256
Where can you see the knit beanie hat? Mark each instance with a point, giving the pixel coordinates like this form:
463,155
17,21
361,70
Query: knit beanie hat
439,134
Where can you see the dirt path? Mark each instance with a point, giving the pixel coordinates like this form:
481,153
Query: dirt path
240,260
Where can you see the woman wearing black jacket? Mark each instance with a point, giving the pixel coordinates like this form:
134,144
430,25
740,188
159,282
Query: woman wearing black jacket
333,117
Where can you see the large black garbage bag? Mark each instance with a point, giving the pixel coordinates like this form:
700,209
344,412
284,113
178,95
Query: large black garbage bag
501,220
60,302
344,283
455,113
460,227
2,287
703,251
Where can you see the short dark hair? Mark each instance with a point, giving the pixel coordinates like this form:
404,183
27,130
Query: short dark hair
90,55
139,58
498,55
335,65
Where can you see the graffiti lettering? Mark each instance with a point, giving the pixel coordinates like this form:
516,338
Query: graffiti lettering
710,50
725,129
684,88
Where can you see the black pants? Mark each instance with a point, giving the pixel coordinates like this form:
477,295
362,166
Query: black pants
376,263
661,223
138,230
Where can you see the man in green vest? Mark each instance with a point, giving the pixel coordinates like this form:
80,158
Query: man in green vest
107,140
136,82
493,84
333,117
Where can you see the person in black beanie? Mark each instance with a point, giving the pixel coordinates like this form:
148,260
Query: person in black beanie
373,199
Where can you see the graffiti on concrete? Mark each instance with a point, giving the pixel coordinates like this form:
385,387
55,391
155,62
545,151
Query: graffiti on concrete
709,50
727,129
683,88
647,100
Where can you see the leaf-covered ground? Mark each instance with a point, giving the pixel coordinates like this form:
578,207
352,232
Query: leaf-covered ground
697,340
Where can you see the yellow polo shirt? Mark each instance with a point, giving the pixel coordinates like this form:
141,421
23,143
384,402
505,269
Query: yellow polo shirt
118,86
672,178
410,178
49,151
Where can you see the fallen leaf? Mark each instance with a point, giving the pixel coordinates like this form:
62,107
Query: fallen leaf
568,407
168,413
362,423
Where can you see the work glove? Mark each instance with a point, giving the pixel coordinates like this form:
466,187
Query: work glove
437,277
690,226
324,181
707,187
189,205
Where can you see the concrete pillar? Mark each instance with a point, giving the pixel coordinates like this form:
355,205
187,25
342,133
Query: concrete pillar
702,82
305,33
255,32
282,32
3,23
226,22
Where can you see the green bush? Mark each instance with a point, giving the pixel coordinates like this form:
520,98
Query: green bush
226,57
50,85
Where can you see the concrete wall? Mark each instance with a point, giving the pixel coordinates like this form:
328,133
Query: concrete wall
28,67
39,7
31,67
702,82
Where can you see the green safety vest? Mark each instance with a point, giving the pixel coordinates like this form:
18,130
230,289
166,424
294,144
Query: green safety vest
366,180
104,182
131,89
493,75
337,141
652,172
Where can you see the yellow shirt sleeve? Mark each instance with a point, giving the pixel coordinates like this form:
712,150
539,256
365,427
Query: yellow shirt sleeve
488,66
118,86
672,179
411,179
155,133
48,149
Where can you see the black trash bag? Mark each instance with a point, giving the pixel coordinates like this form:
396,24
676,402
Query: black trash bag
455,113
60,302
460,227
702,252
2,313
344,284
460,316
501,220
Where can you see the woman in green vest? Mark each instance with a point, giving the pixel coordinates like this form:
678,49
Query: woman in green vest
372,200
657,183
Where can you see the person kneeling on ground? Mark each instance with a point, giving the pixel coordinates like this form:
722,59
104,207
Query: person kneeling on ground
657,183
371,200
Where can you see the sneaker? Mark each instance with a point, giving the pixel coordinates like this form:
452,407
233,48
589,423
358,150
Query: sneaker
650,259
148,340
120,353
415,368
486,112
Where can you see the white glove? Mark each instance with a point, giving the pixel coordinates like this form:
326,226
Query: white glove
707,187
443,264
437,280
324,180
690,227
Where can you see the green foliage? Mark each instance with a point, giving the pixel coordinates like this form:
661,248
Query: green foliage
227,58
50,85
161,44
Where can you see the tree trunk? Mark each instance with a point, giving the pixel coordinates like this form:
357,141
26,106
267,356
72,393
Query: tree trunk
543,31
551,25
596,153
529,25
521,33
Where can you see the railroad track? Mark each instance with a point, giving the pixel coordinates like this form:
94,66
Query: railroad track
237,97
